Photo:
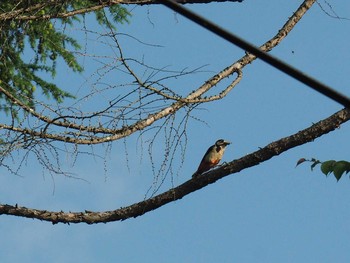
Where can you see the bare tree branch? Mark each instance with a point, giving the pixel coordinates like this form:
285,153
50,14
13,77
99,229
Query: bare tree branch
95,134
273,149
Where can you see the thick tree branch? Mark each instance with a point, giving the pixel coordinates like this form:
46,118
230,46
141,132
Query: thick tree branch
273,149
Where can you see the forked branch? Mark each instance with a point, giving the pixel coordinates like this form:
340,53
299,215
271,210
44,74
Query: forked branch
78,133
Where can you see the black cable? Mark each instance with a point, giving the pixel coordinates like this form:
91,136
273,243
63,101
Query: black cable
273,61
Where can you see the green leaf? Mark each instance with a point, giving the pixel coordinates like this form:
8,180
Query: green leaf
327,167
340,168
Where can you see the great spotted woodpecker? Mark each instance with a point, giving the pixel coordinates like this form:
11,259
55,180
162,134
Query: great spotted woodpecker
212,157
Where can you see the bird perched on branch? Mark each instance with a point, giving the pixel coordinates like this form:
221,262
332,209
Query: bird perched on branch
212,157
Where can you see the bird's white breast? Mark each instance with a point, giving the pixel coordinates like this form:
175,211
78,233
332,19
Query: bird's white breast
215,154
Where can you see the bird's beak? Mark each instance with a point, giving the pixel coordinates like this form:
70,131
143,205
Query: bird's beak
227,143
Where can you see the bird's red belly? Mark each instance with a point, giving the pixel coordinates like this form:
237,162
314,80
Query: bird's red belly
214,162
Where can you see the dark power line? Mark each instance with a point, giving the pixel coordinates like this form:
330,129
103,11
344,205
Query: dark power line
273,61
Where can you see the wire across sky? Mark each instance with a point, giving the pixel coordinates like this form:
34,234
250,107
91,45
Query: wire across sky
268,58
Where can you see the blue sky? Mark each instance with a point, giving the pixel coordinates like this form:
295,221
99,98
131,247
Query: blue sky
270,213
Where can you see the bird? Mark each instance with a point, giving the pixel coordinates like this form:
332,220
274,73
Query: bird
212,157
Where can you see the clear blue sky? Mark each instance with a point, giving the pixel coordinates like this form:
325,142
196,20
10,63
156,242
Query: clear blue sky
270,213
